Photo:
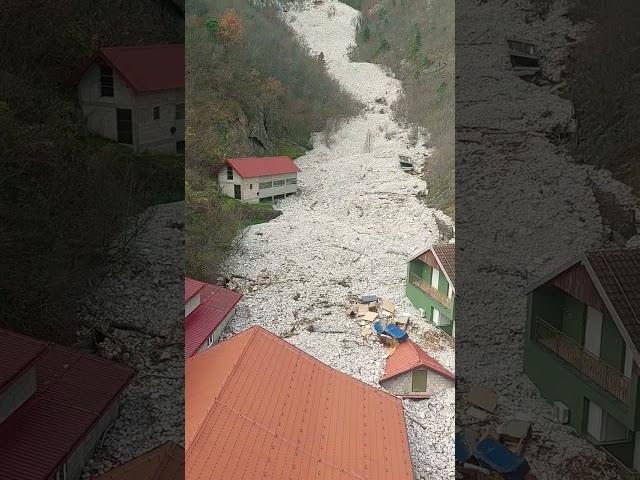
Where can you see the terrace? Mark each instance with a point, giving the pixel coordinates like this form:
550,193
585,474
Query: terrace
590,366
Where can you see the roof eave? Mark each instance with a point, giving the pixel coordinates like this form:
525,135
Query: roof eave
614,314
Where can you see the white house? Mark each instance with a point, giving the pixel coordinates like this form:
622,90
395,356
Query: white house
258,179
135,96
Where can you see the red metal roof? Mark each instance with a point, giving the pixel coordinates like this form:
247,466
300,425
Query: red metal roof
191,287
216,303
409,356
258,407
18,354
74,390
251,167
148,68
163,463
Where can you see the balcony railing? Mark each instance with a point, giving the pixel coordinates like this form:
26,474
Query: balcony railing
585,362
426,287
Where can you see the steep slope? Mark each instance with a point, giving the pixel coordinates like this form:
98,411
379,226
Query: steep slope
349,231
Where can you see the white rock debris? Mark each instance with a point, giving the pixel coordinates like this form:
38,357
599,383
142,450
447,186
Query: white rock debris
532,209
139,293
349,231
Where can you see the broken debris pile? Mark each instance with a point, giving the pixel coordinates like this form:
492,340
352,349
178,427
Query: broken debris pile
377,317
483,452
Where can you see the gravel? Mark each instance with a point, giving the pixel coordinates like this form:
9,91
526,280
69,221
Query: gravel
349,231
529,208
140,292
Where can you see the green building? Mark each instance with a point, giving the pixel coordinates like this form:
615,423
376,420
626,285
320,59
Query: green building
430,285
581,349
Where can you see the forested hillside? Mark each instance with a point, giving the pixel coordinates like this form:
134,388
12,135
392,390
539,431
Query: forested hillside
604,86
251,90
65,195
415,39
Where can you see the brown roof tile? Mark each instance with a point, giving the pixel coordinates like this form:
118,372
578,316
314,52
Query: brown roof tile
618,271
446,253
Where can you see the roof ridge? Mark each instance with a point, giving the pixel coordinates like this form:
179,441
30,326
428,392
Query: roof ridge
251,330
283,440
350,377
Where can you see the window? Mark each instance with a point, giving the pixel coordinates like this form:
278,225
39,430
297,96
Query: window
266,200
106,81
63,473
278,197
262,185
278,183
180,111
435,278
156,113
292,181
419,381
180,147
603,427
251,186
229,173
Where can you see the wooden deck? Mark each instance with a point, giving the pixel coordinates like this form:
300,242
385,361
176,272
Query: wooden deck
586,363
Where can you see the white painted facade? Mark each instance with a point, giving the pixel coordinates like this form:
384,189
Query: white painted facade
164,134
191,304
250,188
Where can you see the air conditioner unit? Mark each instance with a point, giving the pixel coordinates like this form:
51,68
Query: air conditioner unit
421,311
560,412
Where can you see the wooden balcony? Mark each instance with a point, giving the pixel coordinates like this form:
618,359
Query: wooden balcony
585,362
426,287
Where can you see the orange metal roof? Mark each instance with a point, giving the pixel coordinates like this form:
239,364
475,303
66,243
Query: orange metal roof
163,463
258,407
409,356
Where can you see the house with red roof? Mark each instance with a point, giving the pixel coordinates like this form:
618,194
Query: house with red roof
165,462
258,407
258,179
410,372
208,309
55,406
135,96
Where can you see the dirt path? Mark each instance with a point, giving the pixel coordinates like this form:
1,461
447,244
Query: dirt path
349,231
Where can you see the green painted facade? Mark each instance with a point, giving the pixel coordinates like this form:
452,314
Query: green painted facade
421,299
558,380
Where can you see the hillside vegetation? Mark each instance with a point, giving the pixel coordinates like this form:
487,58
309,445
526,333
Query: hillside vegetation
64,195
252,89
604,86
415,39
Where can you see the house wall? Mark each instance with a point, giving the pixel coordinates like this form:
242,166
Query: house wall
148,134
420,299
85,449
403,384
251,192
155,135
191,304
217,333
559,381
100,112
17,393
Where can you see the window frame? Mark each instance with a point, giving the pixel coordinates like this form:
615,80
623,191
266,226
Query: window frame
180,108
278,183
423,373
106,73
156,113
229,172
292,181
